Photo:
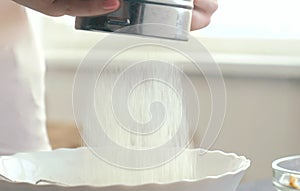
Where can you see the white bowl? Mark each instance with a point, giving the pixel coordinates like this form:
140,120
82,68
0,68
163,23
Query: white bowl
79,169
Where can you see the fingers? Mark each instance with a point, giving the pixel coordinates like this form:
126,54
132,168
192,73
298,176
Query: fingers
199,20
207,6
203,10
83,7
72,7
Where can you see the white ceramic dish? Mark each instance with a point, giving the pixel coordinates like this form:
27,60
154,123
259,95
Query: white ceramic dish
79,169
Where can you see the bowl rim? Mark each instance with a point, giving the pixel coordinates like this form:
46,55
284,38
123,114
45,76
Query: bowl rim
275,164
245,164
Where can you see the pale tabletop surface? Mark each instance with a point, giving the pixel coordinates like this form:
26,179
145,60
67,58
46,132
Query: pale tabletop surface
264,185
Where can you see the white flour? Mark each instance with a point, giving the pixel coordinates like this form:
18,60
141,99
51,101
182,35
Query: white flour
139,107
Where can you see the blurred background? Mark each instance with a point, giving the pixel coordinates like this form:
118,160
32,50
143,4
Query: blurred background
257,45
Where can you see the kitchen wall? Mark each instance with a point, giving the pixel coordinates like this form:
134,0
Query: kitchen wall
262,119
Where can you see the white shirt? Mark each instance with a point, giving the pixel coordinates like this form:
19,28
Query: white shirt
22,90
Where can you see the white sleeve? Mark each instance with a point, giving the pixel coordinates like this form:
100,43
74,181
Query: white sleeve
22,89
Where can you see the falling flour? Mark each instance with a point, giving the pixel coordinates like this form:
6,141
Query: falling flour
140,107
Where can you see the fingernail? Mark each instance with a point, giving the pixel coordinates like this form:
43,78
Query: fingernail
110,4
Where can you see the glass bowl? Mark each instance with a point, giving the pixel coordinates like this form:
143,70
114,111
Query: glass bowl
286,173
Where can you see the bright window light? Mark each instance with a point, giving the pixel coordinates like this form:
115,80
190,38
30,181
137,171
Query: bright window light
255,18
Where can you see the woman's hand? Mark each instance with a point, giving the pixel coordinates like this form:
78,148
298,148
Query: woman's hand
71,7
203,10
